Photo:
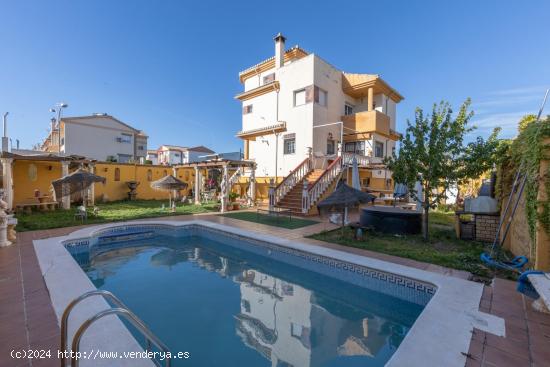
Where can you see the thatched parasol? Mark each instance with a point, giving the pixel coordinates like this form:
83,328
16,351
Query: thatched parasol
78,181
343,198
169,183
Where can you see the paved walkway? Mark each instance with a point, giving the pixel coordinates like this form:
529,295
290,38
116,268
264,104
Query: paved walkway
27,319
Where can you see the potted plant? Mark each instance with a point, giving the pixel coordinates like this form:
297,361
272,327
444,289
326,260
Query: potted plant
233,198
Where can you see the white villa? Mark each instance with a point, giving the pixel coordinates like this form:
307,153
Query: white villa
298,110
98,136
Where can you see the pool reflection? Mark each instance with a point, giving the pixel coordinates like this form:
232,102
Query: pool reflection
316,321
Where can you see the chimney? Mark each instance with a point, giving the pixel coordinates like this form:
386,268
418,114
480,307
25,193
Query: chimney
5,139
279,50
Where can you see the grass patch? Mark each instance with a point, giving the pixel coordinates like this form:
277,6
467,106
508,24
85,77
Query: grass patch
271,220
442,249
108,212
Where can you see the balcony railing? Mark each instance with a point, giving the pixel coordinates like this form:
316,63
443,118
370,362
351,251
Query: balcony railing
367,122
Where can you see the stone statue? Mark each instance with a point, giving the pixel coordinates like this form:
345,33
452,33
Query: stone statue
4,221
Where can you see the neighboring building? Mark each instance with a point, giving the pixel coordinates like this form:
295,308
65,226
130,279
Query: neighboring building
287,96
173,154
98,136
152,156
230,156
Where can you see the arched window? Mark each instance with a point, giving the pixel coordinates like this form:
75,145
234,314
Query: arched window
117,174
149,175
164,173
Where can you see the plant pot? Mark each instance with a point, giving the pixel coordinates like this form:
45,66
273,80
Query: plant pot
236,206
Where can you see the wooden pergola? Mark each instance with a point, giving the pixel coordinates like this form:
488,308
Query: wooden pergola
227,181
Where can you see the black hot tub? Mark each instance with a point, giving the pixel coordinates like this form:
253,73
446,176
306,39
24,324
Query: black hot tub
389,219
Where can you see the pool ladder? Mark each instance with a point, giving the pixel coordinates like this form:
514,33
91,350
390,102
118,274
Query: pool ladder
120,310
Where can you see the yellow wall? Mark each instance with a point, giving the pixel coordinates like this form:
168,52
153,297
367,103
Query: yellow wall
24,185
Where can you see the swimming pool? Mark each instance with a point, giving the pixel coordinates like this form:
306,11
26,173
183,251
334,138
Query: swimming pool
227,298
236,297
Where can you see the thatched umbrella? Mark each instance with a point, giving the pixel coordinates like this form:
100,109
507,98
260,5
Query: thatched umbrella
343,198
78,181
169,183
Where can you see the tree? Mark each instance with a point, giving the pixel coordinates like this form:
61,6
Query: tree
433,152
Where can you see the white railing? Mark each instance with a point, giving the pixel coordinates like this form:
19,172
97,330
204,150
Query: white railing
291,180
234,177
311,194
362,160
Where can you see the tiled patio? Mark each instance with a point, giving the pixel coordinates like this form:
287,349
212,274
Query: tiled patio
28,321
527,341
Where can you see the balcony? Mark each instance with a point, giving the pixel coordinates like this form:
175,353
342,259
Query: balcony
361,125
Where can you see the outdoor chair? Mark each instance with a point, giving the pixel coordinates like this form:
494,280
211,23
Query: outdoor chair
81,214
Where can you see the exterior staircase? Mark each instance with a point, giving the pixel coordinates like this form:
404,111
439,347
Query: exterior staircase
293,199
290,193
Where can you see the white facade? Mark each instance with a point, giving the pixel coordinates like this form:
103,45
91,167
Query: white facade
152,155
172,154
326,105
101,137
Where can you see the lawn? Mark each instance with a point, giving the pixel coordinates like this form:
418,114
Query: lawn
108,212
442,249
282,221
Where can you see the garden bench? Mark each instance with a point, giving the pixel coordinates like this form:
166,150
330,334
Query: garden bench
28,207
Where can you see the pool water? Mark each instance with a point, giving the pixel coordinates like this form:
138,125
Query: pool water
228,306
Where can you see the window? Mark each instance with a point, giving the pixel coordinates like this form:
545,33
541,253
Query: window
269,78
247,109
388,183
300,97
331,144
141,147
245,305
164,173
125,138
289,146
357,147
176,155
149,175
348,109
320,96
378,149
117,174
32,172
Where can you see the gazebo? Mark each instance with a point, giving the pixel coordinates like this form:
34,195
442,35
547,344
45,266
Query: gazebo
225,165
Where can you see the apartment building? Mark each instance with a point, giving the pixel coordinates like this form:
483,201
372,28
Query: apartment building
98,136
174,154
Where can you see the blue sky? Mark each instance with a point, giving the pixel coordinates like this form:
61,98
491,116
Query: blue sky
171,67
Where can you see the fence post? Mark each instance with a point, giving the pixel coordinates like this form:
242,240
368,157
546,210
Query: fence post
305,198
271,194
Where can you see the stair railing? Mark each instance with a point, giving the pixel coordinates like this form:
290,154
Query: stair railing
292,179
312,193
